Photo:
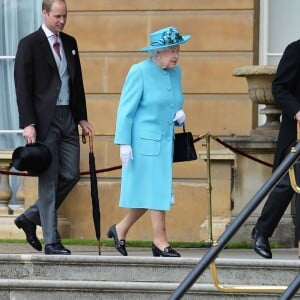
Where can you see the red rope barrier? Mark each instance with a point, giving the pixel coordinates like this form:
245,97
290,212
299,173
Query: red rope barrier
14,173
236,150
103,170
233,149
81,173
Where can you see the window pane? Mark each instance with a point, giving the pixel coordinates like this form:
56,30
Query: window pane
283,27
18,18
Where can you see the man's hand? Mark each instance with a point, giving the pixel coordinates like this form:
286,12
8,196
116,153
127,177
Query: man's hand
29,134
87,128
297,116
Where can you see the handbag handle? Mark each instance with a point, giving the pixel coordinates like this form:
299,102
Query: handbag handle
183,126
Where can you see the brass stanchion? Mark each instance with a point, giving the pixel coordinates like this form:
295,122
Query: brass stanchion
210,241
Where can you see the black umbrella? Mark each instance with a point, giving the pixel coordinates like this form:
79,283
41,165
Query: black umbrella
94,193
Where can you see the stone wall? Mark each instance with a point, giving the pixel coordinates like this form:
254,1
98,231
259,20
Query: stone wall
110,34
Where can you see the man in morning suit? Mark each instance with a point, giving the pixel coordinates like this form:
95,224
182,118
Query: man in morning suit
51,103
286,91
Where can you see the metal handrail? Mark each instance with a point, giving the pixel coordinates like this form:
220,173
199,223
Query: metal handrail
3,131
243,288
216,248
294,184
292,289
7,57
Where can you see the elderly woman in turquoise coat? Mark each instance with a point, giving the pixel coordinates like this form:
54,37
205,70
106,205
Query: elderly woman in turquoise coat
150,106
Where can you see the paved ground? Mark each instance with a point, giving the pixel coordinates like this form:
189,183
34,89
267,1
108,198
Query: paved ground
13,248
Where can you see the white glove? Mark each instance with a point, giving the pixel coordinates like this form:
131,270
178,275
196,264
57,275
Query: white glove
179,117
125,154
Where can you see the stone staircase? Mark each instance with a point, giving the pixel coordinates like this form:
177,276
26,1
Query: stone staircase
36,277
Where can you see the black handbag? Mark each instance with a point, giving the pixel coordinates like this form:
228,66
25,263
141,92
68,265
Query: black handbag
184,149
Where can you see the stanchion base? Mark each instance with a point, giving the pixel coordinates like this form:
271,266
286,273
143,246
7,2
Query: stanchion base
207,244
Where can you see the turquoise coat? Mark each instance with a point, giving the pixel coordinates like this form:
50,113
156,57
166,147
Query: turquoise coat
149,101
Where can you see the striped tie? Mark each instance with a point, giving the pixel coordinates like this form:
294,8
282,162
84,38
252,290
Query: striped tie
56,46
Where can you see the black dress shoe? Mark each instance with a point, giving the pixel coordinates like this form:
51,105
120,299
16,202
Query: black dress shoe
167,252
261,244
30,231
120,245
56,249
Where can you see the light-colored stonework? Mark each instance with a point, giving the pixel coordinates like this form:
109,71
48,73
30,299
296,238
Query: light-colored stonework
224,38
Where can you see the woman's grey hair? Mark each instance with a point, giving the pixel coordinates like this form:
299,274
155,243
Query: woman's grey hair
153,53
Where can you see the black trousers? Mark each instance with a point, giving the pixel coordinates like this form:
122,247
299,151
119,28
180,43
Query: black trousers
277,203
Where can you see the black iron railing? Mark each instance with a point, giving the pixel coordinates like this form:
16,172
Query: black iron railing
216,248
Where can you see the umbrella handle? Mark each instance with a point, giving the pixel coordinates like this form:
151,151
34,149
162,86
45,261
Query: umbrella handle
292,175
91,142
83,138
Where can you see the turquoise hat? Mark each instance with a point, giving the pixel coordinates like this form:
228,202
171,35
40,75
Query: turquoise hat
165,37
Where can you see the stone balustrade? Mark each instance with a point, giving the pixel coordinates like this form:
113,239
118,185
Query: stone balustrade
14,200
5,188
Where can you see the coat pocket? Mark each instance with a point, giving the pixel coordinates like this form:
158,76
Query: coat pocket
149,143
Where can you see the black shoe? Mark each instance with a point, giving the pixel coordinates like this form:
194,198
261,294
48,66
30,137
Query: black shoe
30,231
261,244
56,249
167,252
120,245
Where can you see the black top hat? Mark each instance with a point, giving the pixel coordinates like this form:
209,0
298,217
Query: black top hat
33,158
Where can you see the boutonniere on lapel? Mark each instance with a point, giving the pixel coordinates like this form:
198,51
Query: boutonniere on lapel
74,52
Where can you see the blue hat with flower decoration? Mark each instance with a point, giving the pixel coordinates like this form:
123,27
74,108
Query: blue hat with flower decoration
166,37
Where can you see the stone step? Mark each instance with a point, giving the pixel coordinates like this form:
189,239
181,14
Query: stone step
36,276
20,289
144,269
